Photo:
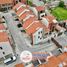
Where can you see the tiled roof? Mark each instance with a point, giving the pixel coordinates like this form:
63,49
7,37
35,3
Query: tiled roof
17,5
40,8
50,18
19,65
6,1
2,27
24,15
59,28
32,25
20,10
3,37
55,61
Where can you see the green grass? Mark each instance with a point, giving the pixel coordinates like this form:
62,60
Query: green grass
60,13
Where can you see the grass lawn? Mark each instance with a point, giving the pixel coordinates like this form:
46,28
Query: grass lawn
60,13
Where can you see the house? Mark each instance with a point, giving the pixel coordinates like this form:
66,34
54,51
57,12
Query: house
6,5
22,11
2,27
65,24
60,41
37,2
34,28
56,61
22,65
65,2
5,46
39,11
49,21
53,3
60,29
30,22
19,65
17,1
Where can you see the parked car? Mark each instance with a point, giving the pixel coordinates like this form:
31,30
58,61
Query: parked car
10,60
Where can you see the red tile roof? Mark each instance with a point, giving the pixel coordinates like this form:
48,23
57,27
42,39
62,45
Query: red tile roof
20,10
3,37
40,8
55,61
19,65
6,1
2,27
24,15
17,5
50,18
31,25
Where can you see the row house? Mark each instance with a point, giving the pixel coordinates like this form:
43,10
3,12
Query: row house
6,5
56,61
39,11
31,24
5,46
17,1
49,22
34,27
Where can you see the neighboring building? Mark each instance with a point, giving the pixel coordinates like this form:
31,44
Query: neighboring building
49,22
6,5
22,11
65,2
65,24
60,29
39,11
34,29
37,2
56,61
38,36
19,65
53,3
2,27
17,1
60,41
23,65
30,22
5,46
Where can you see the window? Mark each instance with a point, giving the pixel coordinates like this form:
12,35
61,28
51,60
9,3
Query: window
42,16
38,36
19,0
1,48
41,31
3,4
19,25
38,32
3,52
16,1
41,11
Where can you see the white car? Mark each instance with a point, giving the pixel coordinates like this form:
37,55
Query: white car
10,60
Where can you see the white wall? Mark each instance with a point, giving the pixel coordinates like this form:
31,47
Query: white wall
45,22
34,10
6,48
37,40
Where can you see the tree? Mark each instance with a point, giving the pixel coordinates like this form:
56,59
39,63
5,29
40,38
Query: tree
61,4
